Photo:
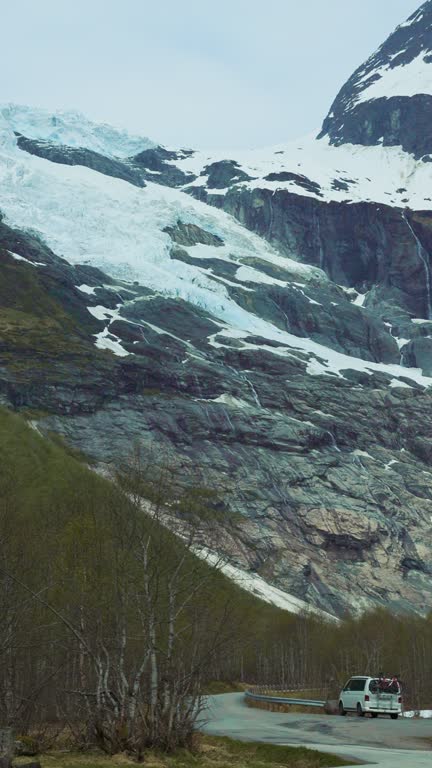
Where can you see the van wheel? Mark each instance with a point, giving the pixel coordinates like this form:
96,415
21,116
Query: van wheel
374,714
360,712
394,716
342,711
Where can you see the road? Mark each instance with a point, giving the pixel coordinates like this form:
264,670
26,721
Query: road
382,742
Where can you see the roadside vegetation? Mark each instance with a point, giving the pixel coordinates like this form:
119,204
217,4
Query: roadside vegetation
111,626
216,687
112,630
208,752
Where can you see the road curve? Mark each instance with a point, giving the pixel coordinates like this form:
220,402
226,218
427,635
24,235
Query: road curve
382,742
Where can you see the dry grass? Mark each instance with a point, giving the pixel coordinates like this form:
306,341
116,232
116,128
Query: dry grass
210,752
215,687
286,708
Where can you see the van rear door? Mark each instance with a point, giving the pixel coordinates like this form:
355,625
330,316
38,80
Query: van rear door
382,699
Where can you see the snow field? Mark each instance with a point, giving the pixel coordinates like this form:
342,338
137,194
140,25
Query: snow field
90,218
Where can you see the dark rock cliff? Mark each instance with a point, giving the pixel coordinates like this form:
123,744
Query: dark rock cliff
361,117
325,481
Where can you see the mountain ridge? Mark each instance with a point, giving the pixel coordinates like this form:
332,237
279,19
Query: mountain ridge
388,98
263,320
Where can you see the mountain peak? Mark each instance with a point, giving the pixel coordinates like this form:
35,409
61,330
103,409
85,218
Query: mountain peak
388,99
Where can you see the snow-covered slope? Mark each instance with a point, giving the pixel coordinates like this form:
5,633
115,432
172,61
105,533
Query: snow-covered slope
401,66
252,582
89,218
388,99
371,148
107,223
385,81
315,168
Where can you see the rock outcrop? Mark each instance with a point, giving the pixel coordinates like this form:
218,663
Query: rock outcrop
325,481
388,100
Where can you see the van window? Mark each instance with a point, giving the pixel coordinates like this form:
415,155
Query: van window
357,685
389,686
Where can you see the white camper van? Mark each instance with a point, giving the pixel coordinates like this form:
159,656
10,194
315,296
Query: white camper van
378,696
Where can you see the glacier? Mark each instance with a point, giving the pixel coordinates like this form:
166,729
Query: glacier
89,218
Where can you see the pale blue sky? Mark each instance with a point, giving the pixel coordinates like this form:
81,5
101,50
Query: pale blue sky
202,73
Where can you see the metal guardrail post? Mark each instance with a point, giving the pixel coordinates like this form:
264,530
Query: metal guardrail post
6,747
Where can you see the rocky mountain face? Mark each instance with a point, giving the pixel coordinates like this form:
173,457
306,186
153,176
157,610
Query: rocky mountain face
388,100
263,321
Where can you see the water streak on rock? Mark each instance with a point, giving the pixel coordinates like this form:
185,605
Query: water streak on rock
424,258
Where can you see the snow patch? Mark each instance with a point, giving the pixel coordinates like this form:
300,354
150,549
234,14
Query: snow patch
376,173
102,313
251,275
311,301
365,454
389,464
401,384
252,582
103,341
17,257
234,402
86,289
405,80
417,16
360,299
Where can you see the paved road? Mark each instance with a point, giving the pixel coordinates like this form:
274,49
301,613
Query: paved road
382,742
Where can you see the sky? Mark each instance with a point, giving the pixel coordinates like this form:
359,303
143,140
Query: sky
211,74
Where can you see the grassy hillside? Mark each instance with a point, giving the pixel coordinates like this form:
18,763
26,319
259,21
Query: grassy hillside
45,483
34,320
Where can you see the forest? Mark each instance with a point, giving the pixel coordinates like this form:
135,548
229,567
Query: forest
112,627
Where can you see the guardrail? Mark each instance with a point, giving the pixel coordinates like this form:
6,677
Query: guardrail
283,699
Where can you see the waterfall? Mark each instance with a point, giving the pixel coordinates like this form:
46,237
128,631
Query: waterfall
270,226
320,245
198,386
333,441
357,460
279,309
227,416
400,342
243,377
254,392
424,258
143,334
